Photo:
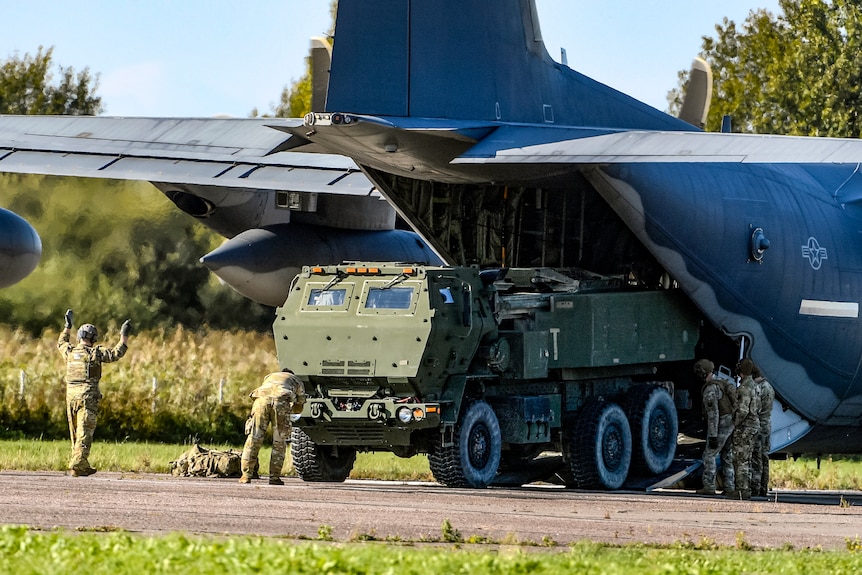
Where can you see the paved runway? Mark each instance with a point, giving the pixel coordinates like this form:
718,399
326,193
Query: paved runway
154,503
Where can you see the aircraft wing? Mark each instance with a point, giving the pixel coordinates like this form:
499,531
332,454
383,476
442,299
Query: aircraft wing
237,176
224,152
515,144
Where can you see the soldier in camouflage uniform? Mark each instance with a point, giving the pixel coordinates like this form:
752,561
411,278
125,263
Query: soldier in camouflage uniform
718,399
281,394
83,372
746,422
762,443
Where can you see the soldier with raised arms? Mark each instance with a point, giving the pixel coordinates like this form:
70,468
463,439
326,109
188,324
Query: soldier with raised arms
83,371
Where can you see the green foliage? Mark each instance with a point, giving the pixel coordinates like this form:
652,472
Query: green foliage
449,533
324,533
111,250
26,88
114,250
831,473
798,73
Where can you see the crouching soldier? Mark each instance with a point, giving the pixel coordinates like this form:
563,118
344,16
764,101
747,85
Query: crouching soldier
719,397
281,394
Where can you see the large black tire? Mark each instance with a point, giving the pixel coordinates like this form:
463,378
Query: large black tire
599,445
654,424
320,463
474,457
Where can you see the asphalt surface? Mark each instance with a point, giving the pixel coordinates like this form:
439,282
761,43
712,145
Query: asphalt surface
157,504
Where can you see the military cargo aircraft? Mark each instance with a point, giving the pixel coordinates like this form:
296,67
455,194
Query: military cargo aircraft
498,156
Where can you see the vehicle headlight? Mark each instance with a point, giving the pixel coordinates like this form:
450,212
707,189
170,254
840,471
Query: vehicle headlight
405,415
294,417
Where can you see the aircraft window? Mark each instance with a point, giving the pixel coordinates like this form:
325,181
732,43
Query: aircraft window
447,295
327,297
390,298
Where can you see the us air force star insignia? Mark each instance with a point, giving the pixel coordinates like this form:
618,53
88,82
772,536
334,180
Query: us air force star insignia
814,253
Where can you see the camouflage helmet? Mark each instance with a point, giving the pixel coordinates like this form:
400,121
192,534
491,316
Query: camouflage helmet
745,367
703,367
88,331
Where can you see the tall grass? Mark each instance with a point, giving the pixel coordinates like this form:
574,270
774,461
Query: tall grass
172,386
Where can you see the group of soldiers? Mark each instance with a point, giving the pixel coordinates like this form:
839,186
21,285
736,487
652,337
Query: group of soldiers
738,429
281,394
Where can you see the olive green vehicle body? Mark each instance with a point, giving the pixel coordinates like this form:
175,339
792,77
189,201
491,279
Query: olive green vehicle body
370,339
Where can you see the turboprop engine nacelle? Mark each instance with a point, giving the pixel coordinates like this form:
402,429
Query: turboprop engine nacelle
20,248
261,263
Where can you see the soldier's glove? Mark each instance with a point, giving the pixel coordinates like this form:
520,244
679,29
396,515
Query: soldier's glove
69,319
126,328
712,442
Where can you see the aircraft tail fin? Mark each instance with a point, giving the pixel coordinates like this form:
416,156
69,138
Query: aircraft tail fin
466,60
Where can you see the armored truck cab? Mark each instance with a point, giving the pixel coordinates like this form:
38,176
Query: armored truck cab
482,371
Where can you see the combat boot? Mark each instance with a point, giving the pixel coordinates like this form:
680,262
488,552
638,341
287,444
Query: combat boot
81,471
732,494
705,491
245,479
746,495
275,480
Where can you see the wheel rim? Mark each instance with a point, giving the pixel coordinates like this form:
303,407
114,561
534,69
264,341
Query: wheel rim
478,446
612,447
659,429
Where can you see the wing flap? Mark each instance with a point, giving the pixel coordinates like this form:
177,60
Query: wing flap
589,146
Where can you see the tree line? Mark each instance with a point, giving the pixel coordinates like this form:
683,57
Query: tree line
797,72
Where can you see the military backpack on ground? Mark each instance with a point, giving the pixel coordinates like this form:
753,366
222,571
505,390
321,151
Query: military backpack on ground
202,462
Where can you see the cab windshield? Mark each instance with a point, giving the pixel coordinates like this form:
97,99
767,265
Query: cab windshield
389,298
333,297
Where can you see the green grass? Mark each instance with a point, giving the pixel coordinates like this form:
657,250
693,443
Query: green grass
146,457
30,552
135,457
